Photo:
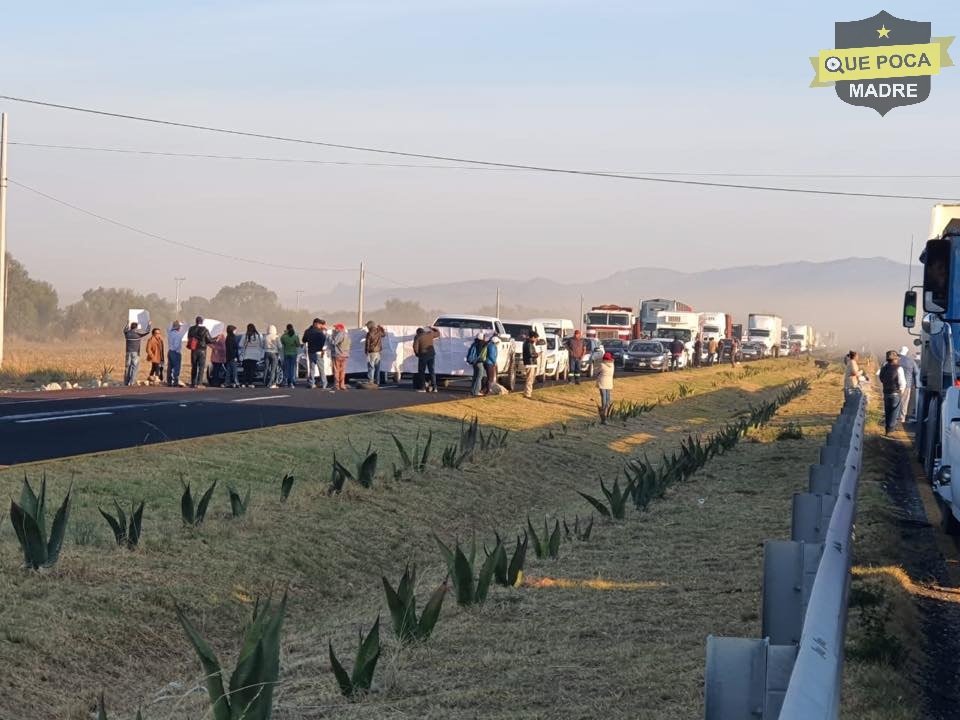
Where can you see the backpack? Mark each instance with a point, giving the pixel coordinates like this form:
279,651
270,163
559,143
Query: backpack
472,355
483,354
192,342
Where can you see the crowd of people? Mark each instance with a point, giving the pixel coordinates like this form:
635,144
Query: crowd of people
899,376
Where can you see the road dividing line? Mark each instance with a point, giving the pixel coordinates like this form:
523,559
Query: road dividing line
63,417
87,411
263,397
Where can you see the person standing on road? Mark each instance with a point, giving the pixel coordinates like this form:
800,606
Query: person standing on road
894,383
605,384
734,351
132,338
492,349
676,350
315,338
198,337
697,351
290,342
426,355
475,357
576,348
711,351
373,348
230,360
251,353
910,372
340,352
155,357
272,352
175,353
530,356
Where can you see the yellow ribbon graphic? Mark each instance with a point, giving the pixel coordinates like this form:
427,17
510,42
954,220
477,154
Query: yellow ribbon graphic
885,61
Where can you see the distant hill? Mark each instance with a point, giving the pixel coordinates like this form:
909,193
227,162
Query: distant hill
858,298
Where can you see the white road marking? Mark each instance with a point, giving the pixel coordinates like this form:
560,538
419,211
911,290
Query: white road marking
262,397
80,411
63,417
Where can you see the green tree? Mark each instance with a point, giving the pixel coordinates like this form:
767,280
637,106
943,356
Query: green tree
32,305
104,310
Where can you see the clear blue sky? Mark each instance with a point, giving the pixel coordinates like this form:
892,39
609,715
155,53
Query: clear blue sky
679,86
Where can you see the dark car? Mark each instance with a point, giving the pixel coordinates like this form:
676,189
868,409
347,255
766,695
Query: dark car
726,347
616,348
647,355
753,351
217,375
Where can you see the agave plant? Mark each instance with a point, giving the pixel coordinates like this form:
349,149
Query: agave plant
615,496
365,472
238,505
509,571
453,458
286,485
250,694
29,519
684,390
549,544
494,439
193,514
414,461
471,587
102,711
403,607
368,652
578,533
126,534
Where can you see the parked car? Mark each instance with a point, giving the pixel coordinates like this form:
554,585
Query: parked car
753,350
726,347
467,325
557,358
616,348
216,377
592,356
646,355
520,331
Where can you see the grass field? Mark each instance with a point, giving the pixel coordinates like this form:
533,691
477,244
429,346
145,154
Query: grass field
27,364
689,566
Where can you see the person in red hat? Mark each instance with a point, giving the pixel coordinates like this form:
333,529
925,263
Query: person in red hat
605,383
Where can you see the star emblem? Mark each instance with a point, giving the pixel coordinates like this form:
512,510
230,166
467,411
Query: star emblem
883,32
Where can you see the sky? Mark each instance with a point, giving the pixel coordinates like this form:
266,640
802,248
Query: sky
685,86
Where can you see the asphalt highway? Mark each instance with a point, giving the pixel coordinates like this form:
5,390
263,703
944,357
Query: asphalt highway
47,425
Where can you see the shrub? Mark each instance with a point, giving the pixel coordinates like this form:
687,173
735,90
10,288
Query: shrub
238,505
286,485
509,573
368,652
614,496
126,534
403,607
549,544
414,461
365,473
194,514
791,431
471,587
29,519
578,533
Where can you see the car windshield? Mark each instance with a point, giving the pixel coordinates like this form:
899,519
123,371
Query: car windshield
464,323
671,333
517,330
614,344
616,319
551,343
653,347
759,332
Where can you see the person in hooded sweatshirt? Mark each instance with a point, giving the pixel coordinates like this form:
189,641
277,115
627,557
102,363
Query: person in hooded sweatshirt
272,352
605,383
340,352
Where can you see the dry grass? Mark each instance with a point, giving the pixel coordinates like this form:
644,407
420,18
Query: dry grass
28,364
103,618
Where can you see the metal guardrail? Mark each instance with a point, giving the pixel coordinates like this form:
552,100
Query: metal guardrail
794,672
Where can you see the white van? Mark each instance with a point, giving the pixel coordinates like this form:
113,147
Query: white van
561,327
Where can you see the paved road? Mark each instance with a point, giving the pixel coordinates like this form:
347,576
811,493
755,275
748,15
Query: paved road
42,426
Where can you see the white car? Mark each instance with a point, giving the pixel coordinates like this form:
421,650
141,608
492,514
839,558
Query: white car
557,359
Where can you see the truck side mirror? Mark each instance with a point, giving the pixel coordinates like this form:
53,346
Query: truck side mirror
936,276
910,308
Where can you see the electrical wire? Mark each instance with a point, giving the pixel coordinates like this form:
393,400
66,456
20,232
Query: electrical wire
468,161
161,238
310,161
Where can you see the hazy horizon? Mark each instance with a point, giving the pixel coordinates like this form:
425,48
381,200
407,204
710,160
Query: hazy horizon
562,84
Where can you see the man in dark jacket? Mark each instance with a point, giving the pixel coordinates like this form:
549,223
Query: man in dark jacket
893,382
576,348
530,356
697,351
373,347
676,350
911,374
426,354
198,337
132,338
315,338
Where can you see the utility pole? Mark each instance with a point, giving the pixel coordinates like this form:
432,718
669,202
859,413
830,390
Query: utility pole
360,298
299,295
498,301
3,227
179,281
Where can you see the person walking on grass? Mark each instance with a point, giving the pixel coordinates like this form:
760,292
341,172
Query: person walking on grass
475,357
175,337
605,384
910,373
893,382
231,358
198,338
697,351
272,352
373,348
576,347
251,353
340,352
315,339
712,346
530,356
290,342
492,349
132,338
426,356
155,357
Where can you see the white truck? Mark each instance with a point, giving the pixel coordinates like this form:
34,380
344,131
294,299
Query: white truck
684,326
766,329
519,330
713,326
802,335
457,332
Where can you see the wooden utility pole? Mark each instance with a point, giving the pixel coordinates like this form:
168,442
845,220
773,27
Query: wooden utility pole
3,228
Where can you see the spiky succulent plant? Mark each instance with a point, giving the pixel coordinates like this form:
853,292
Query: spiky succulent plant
127,534
29,518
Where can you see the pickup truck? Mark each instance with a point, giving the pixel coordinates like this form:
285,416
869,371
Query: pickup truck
519,330
457,332
557,358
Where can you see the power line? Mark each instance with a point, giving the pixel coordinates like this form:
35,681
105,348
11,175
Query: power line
467,161
161,238
312,161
